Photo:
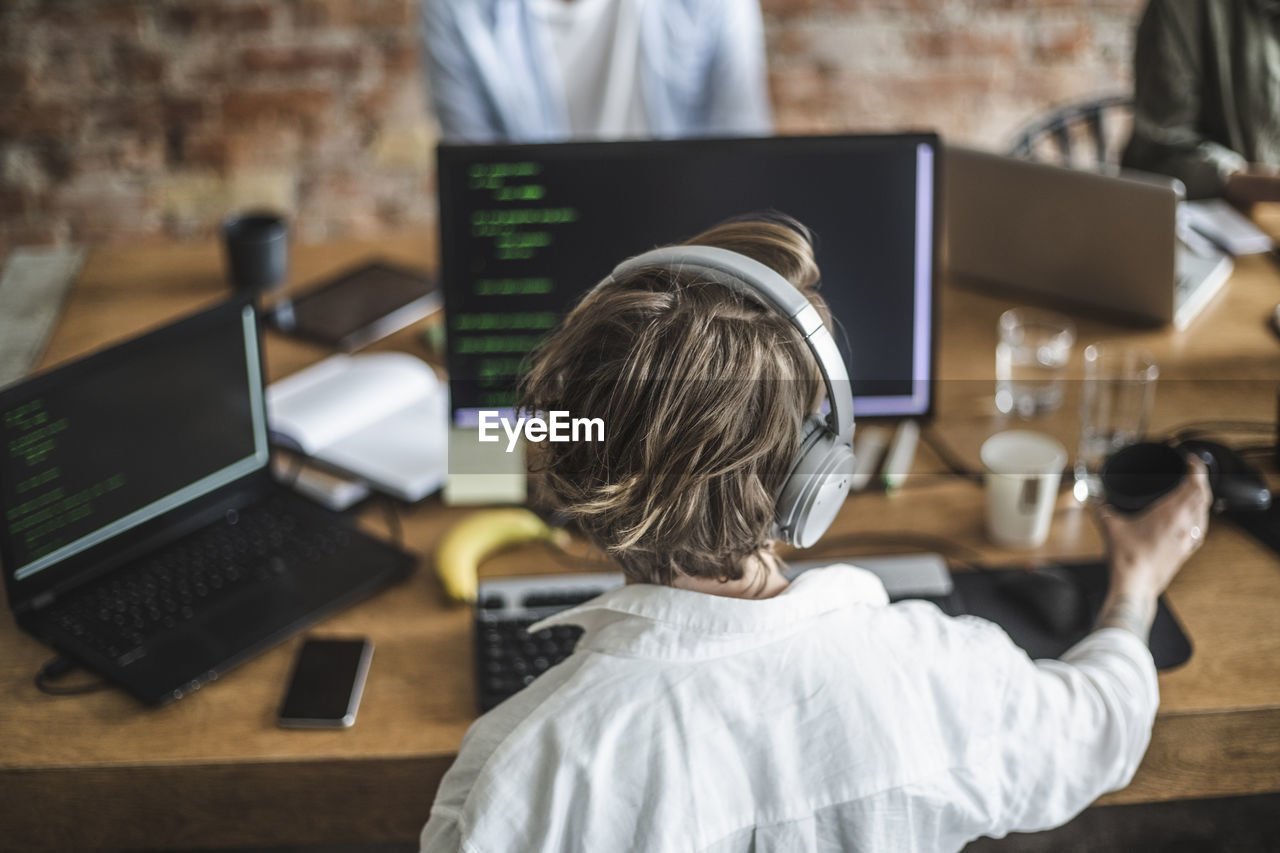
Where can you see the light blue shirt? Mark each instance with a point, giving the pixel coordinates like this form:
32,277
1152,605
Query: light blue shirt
493,78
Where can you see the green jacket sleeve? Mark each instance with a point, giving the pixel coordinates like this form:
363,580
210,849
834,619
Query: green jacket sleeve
1168,92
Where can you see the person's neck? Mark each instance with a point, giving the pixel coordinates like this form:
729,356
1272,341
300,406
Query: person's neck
761,578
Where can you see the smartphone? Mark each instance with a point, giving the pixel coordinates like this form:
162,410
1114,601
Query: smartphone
359,306
327,681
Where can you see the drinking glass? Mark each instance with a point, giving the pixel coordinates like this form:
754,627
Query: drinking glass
1031,358
1115,402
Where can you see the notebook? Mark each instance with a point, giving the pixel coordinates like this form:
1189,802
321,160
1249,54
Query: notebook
378,417
141,532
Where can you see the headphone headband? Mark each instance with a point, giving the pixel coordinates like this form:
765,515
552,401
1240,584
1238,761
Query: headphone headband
822,469
749,277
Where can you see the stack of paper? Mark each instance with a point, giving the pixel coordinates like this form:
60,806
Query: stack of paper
1225,226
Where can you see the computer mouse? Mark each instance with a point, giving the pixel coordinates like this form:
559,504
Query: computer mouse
1237,485
1049,593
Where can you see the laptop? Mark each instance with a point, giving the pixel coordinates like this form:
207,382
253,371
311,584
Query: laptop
1107,243
142,534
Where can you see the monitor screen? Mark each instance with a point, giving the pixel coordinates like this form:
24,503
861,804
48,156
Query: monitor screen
100,447
527,229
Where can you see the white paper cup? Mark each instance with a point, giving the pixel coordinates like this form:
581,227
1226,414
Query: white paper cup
1022,471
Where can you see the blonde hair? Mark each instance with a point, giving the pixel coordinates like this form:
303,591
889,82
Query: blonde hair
703,393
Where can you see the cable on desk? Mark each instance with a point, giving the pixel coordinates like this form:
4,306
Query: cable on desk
961,555
947,455
1255,449
1199,429
57,668
598,564
392,515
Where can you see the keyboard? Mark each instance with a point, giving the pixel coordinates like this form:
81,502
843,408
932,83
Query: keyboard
508,657
120,614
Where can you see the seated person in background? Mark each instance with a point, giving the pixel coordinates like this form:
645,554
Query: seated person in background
713,706
551,70
1207,97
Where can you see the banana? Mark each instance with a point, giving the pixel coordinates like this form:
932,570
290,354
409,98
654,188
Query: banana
466,545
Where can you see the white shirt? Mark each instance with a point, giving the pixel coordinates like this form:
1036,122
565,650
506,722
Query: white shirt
822,719
493,76
596,50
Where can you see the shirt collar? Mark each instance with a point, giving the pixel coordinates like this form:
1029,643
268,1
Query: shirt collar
646,620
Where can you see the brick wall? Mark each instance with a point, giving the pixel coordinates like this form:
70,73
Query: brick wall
974,69
127,119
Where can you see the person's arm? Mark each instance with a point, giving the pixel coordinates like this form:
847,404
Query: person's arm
1073,729
457,96
1167,91
1255,184
737,86
441,833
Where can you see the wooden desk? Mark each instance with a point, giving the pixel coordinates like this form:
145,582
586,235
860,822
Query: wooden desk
99,771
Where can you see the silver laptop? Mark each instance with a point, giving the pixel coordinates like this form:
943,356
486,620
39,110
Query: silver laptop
1107,243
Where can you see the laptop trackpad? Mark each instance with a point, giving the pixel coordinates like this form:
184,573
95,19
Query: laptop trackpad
249,621
216,640
184,657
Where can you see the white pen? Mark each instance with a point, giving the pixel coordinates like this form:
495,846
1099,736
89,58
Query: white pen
868,447
901,454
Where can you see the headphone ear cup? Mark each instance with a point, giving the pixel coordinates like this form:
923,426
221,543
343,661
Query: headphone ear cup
826,495
816,488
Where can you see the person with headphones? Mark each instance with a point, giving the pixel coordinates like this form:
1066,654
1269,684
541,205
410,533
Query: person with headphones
710,704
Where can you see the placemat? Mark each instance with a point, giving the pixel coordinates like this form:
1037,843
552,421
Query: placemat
32,286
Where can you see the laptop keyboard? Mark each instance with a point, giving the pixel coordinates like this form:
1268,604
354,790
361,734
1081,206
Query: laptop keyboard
120,614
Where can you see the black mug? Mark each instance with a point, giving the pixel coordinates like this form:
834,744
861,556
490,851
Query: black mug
257,249
1136,476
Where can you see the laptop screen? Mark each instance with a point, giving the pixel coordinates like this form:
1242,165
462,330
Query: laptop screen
527,229
102,446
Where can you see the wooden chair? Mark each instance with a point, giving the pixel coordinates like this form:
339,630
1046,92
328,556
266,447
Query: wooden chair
1085,134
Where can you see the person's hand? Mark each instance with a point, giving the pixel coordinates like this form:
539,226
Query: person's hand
1256,184
1149,548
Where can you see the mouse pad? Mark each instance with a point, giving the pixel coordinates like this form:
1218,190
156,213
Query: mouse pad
977,594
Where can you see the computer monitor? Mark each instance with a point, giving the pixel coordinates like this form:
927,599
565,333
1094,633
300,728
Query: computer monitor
527,229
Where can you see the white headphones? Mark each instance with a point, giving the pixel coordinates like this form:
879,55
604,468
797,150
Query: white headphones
819,477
